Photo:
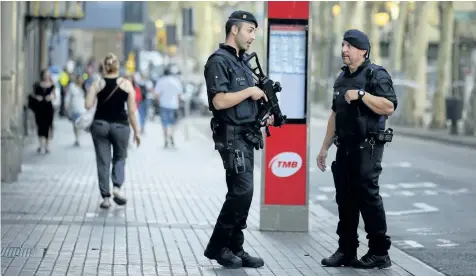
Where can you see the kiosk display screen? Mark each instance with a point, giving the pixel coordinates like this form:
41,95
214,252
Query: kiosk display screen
287,64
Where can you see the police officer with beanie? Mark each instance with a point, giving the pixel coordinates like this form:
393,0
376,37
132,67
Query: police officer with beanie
232,97
363,99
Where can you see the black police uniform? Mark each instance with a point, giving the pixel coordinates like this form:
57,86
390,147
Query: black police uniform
357,167
225,71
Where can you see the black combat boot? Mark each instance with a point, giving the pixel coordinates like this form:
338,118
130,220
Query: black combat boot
340,258
248,260
224,257
371,260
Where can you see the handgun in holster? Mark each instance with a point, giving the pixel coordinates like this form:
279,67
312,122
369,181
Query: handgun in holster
223,136
217,134
235,158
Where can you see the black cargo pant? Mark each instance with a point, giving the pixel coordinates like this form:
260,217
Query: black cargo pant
356,172
231,222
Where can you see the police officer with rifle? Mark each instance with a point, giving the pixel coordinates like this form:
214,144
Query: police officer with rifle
363,99
242,102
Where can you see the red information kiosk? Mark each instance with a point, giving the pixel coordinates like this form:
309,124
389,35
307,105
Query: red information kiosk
284,194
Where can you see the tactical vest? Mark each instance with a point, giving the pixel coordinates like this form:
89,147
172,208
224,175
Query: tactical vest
355,121
240,77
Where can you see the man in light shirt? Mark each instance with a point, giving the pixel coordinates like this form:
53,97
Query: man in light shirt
169,90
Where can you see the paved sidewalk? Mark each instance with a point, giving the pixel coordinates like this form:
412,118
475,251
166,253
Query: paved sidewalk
442,136
52,223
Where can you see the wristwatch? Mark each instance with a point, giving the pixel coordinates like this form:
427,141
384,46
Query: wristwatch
361,94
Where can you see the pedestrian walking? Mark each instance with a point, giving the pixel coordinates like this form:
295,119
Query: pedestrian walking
169,91
42,104
145,86
74,104
110,127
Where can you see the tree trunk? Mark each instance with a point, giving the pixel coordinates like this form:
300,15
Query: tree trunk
356,11
357,15
405,99
326,43
470,119
417,67
204,40
443,82
396,49
375,35
316,34
338,28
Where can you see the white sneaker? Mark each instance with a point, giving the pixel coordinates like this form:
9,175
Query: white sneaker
118,199
106,203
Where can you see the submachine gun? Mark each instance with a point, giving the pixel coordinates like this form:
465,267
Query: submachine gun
270,88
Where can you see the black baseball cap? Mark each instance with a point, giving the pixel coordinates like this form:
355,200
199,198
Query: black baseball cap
243,16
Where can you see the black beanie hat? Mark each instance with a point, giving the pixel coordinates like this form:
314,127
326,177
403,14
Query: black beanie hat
358,39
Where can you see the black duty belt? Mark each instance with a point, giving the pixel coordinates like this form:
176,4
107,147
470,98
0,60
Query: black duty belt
227,132
233,131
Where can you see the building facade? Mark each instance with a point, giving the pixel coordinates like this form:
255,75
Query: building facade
24,52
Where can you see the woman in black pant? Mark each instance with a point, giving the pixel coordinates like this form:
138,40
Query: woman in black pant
44,94
110,127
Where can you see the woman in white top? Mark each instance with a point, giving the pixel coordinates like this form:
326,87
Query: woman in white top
74,104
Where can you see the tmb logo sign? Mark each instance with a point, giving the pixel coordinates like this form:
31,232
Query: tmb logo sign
285,164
